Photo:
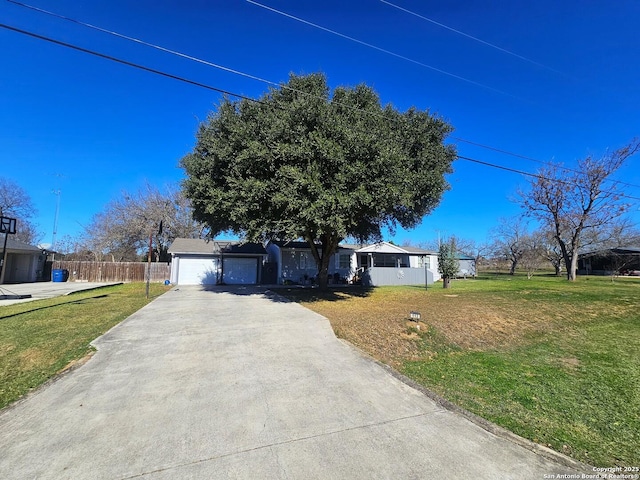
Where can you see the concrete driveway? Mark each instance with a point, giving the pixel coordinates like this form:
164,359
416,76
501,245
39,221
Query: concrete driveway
242,384
40,290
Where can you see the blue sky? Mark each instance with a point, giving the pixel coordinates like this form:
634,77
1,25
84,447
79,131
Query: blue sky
547,80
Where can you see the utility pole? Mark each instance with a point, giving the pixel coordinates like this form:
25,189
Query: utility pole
149,263
55,219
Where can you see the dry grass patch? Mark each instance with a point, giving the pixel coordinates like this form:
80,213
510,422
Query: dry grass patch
555,362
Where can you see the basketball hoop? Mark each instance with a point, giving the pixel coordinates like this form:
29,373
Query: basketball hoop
8,225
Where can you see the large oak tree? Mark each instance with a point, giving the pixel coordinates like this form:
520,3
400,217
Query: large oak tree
302,163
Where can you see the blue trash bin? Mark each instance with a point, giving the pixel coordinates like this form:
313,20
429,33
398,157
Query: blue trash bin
59,275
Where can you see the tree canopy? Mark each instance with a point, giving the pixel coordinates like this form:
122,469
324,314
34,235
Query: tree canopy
301,163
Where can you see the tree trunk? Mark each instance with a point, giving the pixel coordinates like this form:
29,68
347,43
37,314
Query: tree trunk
328,246
446,282
512,270
573,265
323,272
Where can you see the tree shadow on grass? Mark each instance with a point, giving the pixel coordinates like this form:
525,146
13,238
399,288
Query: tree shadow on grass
77,302
331,294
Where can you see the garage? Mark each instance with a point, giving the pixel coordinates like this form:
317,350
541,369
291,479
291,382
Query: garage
240,271
197,270
199,262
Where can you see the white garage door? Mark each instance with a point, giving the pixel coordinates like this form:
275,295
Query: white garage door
240,271
197,271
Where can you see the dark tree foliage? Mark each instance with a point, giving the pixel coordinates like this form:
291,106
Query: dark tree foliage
301,163
448,261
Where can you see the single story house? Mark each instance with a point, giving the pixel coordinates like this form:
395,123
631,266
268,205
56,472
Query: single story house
294,263
372,265
621,260
24,263
196,261
212,262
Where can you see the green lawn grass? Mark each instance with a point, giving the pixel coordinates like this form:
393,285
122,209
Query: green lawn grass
41,338
553,361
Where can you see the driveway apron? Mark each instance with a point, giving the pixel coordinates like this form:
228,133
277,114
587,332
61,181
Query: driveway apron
241,383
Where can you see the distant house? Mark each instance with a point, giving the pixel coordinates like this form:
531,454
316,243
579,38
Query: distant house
24,263
467,266
621,260
209,262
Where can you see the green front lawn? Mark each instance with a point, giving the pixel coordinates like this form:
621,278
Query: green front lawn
39,339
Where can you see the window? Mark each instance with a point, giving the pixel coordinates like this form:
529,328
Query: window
306,260
344,261
390,260
424,261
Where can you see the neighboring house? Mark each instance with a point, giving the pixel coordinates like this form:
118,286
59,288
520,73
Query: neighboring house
24,263
625,260
378,264
210,262
467,266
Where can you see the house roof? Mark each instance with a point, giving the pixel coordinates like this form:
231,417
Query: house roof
386,247
381,247
286,244
16,246
614,251
305,245
214,247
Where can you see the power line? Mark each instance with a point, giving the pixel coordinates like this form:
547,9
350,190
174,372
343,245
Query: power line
537,175
142,42
476,39
269,82
226,92
383,50
125,62
542,162
173,52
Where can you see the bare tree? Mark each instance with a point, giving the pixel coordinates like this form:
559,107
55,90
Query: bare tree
16,203
533,255
575,201
549,248
122,230
511,240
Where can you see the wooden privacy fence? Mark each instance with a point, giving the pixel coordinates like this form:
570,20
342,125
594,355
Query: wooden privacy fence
113,271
